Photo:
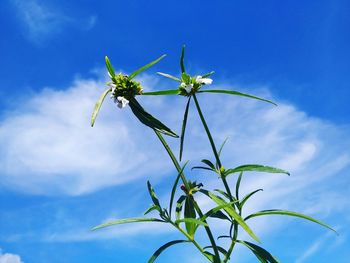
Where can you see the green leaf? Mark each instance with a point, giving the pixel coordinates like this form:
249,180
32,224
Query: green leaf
220,215
151,208
209,163
184,122
135,73
222,146
164,247
231,211
262,254
191,221
224,237
98,105
214,211
288,213
169,76
238,184
179,205
255,168
190,212
162,92
223,193
209,255
208,74
202,167
245,199
148,120
221,249
186,78
126,221
153,194
232,92
109,67
182,60
174,187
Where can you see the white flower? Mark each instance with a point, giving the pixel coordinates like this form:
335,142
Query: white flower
121,102
205,81
187,87
112,86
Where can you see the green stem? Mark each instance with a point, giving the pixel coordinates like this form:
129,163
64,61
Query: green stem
235,230
218,161
194,242
178,168
233,243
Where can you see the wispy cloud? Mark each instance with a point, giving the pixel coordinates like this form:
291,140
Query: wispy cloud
9,258
42,21
48,146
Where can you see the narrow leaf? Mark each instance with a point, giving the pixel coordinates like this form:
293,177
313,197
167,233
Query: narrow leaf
222,146
126,221
245,199
262,254
232,92
164,247
98,105
209,255
288,213
182,59
202,167
174,187
184,122
192,221
231,211
185,78
189,212
162,92
255,168
238,184
209,163
169,76
179,205
151,208
135,73
223,193
223,237
148,120
208,74
153,194
109,67
216,209
221,249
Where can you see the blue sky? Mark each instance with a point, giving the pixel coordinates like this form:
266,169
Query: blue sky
59,177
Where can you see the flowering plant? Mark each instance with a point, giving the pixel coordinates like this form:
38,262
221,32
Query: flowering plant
185,214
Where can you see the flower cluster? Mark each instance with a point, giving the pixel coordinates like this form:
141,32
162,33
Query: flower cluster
191,85
123,89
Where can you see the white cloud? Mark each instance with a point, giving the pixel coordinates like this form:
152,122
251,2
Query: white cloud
48,146
9,258
42,21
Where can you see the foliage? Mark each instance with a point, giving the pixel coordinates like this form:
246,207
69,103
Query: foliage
185,214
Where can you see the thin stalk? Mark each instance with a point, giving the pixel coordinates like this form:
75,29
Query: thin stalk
235,229
222,176
178,168
191,239
233,243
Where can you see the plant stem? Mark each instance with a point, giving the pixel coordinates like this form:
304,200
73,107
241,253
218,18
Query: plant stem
233,242
178,168
191,239
218,161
